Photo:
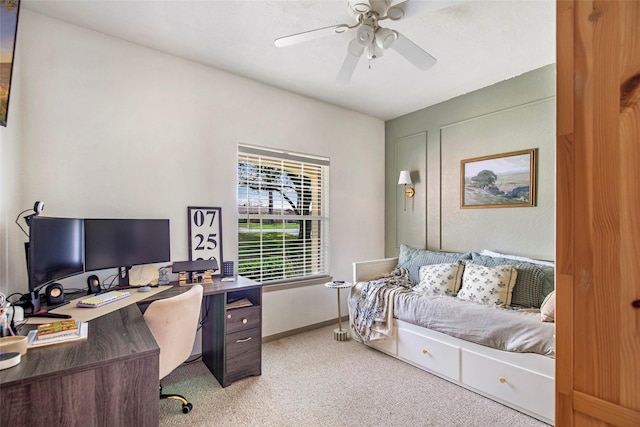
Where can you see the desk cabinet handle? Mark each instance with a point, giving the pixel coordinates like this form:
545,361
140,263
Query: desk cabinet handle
244,340
636,303
244,321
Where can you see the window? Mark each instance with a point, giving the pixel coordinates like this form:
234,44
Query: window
283,223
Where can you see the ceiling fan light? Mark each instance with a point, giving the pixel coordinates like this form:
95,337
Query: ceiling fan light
395,13
355,49
364,35
375,51
360,6
385,37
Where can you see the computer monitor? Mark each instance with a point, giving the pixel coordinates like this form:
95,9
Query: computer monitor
123,243
55,251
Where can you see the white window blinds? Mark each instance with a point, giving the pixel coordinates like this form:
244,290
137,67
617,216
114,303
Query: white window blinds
283,223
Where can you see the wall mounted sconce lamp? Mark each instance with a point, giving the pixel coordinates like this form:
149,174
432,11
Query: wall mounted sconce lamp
405,179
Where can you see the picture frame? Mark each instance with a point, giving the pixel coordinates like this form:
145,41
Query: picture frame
505,180
9,14
205,235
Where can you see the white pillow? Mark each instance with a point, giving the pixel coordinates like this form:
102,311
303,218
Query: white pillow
439,279
488,285
548,308
517,258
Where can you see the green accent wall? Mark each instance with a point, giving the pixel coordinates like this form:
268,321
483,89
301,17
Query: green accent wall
512,115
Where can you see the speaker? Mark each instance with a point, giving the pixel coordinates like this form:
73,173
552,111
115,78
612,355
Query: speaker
94,284
54,294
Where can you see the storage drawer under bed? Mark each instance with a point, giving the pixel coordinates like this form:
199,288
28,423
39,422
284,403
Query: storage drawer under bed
531,391
431,354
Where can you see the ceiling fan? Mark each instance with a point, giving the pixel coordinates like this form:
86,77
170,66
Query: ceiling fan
370,37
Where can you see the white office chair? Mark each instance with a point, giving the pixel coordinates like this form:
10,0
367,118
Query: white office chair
173,323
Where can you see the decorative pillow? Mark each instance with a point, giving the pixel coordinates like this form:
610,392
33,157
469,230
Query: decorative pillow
440,279
529,288
412,259
548,308
488,285
487,252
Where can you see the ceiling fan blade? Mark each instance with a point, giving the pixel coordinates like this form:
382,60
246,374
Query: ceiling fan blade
354,52
417,7
413,53
310,35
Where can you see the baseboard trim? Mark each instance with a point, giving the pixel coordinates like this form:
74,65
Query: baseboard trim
345,322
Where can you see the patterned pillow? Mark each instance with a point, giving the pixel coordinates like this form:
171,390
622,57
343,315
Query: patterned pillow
548,308
529,287
488,285
440,279
412,259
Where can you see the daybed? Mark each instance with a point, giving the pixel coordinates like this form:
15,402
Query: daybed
496,345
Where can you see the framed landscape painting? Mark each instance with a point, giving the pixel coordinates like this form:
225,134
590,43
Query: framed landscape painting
9,10
499,181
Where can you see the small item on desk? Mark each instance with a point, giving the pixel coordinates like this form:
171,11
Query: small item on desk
9,360
41,336
45,313
57,329
242,302
16,343
228,279
144,289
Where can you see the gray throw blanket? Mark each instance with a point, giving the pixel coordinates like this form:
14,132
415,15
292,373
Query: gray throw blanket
371,305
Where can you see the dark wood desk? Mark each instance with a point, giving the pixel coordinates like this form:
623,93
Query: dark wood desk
231,337
110,379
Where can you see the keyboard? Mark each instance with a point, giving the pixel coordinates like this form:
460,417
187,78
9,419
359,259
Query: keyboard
102,299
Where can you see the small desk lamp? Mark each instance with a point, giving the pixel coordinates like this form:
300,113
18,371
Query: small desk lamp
405,179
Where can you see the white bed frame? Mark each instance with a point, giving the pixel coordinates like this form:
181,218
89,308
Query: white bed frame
522,381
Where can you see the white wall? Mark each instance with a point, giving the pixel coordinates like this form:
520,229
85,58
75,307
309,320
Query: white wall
11,249
112,129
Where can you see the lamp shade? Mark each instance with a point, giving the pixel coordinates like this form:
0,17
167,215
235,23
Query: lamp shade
364,35
405,178
385,37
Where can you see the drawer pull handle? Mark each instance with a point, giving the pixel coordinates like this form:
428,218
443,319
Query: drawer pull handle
503,380
424,351
244,340
244,321
636,303
228,316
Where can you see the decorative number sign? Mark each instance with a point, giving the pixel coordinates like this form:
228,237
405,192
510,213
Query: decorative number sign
205,235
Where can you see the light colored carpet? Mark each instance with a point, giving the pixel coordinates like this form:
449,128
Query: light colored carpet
312,380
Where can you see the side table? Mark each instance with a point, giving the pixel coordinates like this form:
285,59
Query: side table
339,334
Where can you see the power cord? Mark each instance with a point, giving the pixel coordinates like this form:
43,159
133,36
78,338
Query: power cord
18,217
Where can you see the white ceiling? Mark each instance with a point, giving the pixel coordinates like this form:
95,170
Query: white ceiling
477,43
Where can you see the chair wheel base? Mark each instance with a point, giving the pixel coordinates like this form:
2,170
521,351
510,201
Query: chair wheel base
186,406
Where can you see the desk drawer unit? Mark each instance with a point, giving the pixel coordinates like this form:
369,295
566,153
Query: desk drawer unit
243,350
531,391
241,319
431,354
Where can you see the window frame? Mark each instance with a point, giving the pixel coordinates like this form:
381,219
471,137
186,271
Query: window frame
305,180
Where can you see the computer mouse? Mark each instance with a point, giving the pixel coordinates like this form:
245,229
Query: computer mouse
144,289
